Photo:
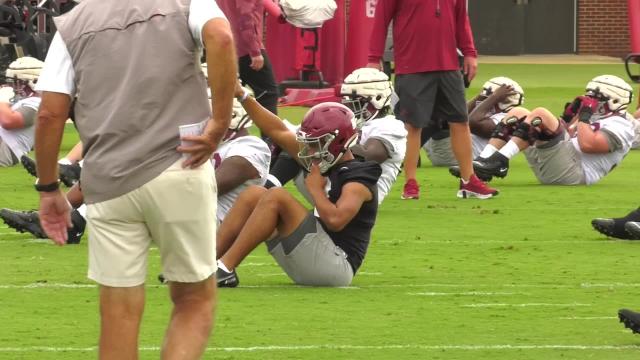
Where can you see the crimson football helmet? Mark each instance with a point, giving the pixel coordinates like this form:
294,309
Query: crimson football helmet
327,131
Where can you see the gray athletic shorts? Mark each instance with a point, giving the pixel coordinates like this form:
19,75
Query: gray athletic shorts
309,256
556,162
430,96
7,158
440,152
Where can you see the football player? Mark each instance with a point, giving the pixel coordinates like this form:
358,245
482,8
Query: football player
486,110
69,167
18,110
324,247
593,139
368,93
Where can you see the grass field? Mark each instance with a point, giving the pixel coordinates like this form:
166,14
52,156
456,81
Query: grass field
521,276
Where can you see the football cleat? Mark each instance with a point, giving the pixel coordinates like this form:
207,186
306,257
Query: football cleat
455,170
495,165
23,221
630,319
29,165
69,174
29,221
227,279
633,228
616,227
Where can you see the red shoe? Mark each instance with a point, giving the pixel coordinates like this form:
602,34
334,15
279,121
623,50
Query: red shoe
411,190
475,188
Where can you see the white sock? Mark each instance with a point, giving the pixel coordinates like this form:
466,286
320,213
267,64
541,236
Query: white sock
64,161
510,149
223,267
488,151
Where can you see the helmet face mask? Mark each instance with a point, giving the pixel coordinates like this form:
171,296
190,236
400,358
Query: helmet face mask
367,92
326,133
613,93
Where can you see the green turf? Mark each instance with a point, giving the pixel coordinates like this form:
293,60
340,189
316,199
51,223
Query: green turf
522,276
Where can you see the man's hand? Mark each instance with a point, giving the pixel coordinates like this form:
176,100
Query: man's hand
200,149
257,62
374,65
470,67
55,216
503,92
315,181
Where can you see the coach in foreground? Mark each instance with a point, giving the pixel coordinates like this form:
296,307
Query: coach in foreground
134,70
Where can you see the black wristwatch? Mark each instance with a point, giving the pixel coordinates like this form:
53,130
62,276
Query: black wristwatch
54,186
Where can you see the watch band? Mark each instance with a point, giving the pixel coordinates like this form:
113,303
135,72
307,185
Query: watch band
54,186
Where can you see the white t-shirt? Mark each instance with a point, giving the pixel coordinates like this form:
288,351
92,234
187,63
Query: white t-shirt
596,166
20,141
58,74
254,150
393,134
636,130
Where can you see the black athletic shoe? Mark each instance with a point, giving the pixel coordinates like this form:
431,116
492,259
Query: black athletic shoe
29,164
616,227
162,279
23,221
495,165
633,228
69,174
630,319
227,279
29,221
455,170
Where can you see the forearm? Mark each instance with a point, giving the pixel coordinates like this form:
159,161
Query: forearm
383,15
591,141
49,130
10,119
271,126
327,211
222,72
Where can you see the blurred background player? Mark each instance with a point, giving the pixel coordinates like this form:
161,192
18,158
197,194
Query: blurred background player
19,105
324,247
69,167
486,110
593,139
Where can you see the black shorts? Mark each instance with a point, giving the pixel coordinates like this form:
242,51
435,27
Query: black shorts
431,97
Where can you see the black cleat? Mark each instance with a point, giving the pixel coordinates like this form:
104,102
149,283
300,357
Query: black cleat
615,227
633,228
227,279
69,174
162,279
23,221
495,165
630,319
455,170
29,221
29,164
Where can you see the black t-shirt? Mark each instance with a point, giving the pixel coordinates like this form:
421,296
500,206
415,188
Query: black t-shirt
354,238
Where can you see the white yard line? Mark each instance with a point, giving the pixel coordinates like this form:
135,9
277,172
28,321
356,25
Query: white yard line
346,347
468,293
523,305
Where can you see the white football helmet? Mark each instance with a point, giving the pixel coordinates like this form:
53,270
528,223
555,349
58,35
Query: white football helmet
511,101
24,73
366,91
614,93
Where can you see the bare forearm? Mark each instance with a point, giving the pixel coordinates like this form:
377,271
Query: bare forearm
271,126
222,72
591,141
49,132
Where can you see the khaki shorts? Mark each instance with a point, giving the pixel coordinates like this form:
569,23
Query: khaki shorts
310,257
176,211
556,164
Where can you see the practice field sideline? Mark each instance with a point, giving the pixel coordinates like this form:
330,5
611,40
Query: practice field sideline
521,276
